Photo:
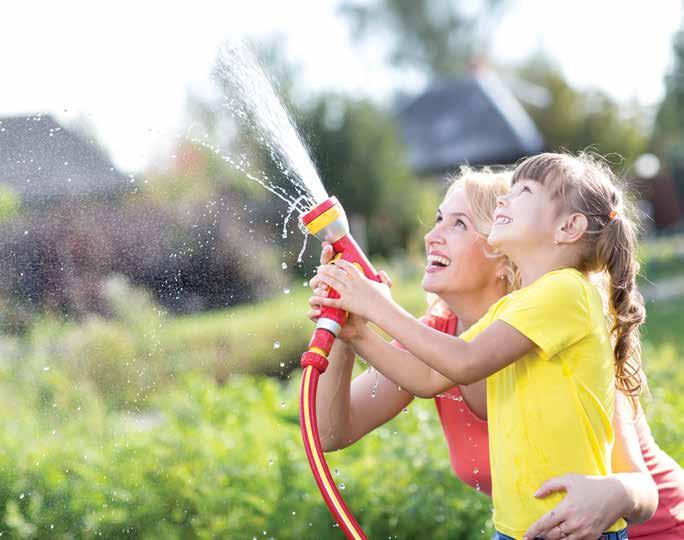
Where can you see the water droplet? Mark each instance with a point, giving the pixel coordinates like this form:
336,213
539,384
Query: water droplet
372,393
294,513
21,496
270,462
46,368
282,404
276,344
283,266
305,283
405,410
476,470
337,472
342,486
282,364
286,291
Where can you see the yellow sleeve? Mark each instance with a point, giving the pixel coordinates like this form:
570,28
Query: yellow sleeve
553,312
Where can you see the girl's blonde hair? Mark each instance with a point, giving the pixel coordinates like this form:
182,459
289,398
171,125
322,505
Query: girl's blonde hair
481,188
585,184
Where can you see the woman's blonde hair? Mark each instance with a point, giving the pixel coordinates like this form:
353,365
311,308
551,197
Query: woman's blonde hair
481,188
585,184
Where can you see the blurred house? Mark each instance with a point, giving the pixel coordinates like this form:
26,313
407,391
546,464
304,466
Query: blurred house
42,161
475,120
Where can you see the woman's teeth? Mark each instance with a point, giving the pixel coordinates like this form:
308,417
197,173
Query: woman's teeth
437,260
502,220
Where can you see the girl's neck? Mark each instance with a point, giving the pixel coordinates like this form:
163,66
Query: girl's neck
532,266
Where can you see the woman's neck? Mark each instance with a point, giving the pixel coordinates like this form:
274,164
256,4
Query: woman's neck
470,307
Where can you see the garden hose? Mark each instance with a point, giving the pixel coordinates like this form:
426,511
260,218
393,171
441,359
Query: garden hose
328,222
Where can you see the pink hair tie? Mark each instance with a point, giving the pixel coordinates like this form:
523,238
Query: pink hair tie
613,214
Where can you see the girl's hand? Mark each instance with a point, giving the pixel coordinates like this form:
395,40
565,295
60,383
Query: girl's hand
358,294
591,506
355,325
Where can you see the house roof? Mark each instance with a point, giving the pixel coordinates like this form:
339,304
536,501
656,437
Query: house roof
474,120
42,160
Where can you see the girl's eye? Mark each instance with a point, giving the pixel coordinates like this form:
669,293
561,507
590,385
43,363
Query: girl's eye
525,188
460,223
438,219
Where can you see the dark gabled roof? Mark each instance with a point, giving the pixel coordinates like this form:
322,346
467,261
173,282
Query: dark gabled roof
474,120
42,160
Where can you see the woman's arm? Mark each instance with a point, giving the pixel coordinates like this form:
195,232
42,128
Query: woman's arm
594,503
347,410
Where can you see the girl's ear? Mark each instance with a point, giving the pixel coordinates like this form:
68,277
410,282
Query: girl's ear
572,229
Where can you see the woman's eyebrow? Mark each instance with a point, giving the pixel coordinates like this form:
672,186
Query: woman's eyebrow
460,214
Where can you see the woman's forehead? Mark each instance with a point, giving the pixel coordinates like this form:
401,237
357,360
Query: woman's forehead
455,201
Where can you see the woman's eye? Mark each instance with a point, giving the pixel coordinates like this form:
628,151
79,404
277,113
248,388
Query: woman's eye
438,219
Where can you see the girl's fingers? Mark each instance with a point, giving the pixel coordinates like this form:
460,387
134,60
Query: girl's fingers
332,270
314,282
329,302
347,267
385,278
335,283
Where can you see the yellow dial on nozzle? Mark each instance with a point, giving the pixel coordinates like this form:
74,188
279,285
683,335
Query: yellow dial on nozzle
325,219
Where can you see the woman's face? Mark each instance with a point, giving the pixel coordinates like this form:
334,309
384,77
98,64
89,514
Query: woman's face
456,260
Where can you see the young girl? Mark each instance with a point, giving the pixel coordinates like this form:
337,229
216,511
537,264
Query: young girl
551,391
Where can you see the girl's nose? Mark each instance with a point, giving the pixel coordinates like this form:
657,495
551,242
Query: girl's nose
501,200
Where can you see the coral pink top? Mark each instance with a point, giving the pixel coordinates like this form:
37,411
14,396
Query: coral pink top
468,443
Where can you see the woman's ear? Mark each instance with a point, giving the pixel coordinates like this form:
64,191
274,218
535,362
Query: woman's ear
572,229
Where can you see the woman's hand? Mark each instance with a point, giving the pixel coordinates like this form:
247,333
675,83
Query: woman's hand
592,505
355,324
358,294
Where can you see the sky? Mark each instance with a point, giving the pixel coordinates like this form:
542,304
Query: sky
126,68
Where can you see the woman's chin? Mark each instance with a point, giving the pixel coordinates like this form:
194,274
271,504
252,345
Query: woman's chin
430,284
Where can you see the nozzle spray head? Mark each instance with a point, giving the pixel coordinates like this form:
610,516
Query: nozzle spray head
327,221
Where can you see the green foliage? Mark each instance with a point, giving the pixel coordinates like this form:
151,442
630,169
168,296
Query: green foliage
668,133
437,38
576,120
214,462
361,159
10,203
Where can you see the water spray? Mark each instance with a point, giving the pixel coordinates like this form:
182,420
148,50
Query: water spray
328,222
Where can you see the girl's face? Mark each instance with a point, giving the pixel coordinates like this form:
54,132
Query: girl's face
524,220
456,260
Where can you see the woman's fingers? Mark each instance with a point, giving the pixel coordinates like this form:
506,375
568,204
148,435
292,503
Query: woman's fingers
314,314
544,525
327,253
385,278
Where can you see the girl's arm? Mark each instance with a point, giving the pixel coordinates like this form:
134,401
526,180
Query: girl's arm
594,503
459,361
400,365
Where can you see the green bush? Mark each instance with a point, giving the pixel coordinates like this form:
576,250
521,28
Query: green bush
214,462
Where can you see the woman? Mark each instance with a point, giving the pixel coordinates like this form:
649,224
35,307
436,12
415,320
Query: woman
466,279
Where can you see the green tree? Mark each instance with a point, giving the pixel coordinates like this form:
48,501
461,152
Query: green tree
437,37
575,120
668,130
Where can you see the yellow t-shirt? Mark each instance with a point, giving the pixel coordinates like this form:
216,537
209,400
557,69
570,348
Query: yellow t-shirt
550,411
